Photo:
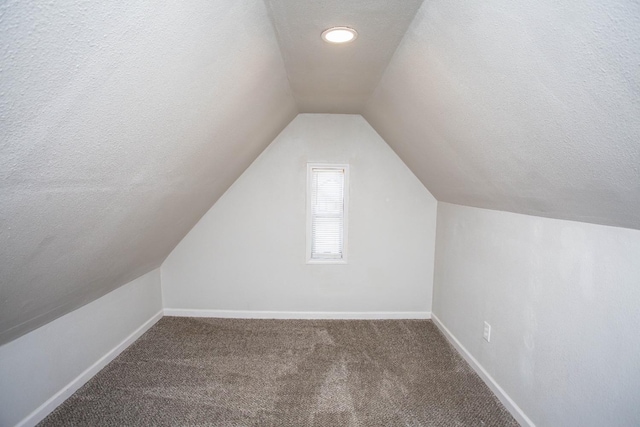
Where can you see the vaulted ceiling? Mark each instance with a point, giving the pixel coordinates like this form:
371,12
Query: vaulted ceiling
124,121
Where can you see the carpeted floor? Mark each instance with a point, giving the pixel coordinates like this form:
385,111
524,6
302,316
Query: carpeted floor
231,372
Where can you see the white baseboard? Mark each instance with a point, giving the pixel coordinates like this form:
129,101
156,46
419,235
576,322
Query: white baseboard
511,406
52,403
238,314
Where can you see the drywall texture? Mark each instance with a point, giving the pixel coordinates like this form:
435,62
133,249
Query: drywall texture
329,78
248,251
122,123
562,300
529,106
38,365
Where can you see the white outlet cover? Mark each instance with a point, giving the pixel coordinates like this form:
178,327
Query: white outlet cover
487,332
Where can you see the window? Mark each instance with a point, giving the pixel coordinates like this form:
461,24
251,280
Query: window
327,196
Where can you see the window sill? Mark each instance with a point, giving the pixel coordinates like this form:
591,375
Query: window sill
327,261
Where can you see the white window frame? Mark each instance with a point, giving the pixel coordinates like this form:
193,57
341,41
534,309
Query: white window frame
345,168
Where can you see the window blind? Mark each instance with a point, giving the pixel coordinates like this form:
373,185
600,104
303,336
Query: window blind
327,213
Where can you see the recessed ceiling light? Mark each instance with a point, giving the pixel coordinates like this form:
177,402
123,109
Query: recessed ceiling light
339,35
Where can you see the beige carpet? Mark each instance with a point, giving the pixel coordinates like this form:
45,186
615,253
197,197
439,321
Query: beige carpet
230,372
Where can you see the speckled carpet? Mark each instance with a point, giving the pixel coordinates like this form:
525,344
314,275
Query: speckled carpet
320,373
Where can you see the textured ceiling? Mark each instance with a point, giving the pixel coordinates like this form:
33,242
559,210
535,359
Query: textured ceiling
123,122
529,106
328,78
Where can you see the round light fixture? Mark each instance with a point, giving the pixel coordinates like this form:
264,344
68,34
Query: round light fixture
339,35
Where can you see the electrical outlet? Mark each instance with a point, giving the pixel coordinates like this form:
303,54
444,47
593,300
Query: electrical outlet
486,334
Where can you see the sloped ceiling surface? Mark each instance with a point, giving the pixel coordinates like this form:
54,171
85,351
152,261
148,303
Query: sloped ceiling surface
527,106
122,123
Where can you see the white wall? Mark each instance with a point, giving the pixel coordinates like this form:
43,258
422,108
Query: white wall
563,301
248,252
42,368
